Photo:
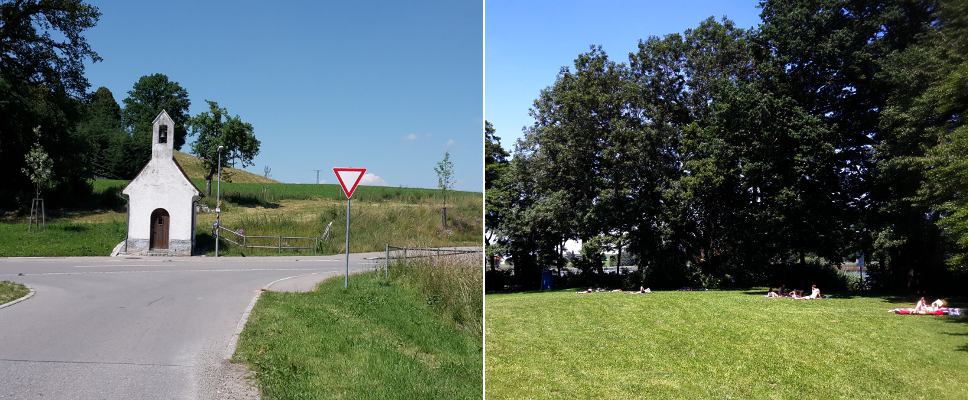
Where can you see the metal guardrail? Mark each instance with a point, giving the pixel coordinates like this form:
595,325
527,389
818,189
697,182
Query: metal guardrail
278,242
399,254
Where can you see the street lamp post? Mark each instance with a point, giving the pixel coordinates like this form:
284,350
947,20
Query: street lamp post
218,202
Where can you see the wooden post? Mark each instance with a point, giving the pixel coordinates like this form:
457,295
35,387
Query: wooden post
281,245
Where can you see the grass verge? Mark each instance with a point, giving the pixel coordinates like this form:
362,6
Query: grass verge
718,344
377,340
10,291
60,238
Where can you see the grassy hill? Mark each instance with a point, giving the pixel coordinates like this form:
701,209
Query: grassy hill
193,168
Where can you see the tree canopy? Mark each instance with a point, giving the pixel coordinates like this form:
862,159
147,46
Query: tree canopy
217,127
725,156
42,56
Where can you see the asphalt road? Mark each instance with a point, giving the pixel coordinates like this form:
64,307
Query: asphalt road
137,328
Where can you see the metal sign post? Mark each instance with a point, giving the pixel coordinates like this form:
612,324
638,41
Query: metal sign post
345,176
347,264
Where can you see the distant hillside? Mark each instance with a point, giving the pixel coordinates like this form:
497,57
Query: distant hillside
193,168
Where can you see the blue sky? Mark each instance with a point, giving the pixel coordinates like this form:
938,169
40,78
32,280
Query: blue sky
526,43
389,86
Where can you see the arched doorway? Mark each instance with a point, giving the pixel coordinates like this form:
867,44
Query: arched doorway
159,234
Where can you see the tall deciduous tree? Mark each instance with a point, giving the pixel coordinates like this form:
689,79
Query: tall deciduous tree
42,56
722,153
496,165
215,128
147,98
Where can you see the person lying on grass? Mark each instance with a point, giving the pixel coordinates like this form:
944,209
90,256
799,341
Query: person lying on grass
935,308
587,291
641,291
816,294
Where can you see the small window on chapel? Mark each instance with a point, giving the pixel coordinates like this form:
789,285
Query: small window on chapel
163,134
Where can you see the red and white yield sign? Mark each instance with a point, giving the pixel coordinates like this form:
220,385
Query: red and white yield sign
349,178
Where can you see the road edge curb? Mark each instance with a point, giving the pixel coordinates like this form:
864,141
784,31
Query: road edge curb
22,298
241,324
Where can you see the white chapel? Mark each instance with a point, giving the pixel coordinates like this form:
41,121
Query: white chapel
161,200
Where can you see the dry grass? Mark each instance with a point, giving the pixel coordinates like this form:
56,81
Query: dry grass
452,285
193,168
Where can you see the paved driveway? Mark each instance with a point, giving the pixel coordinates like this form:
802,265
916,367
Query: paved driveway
137,328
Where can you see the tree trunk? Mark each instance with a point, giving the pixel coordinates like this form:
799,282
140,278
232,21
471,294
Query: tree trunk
208,185
619,257
561,260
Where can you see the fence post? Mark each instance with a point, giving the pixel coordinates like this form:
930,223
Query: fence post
387,259
244,241
316,245
281,245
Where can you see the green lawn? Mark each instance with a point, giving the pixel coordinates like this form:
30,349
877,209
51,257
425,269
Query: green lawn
718,344
377,340
60,238
10,291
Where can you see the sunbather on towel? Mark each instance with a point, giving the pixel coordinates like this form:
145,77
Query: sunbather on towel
920,305
641,291
772,294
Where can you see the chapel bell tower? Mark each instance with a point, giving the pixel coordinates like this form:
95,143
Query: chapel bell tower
163,136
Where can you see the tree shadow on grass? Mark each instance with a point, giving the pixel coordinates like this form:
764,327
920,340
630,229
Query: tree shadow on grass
75,228
204,243
249,200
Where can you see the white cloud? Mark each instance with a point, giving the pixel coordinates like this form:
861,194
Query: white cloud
451,142
370,179
411,136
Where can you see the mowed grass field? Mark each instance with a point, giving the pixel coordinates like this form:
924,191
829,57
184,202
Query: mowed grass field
379,216
414,336
718,345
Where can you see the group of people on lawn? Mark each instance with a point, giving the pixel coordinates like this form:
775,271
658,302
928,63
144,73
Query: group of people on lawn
794,294
598,290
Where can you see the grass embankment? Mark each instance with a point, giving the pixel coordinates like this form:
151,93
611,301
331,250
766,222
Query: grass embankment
10,291
718,345
379,215
193,168
416,336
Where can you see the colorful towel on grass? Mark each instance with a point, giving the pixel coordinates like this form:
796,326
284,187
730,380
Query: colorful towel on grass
942,311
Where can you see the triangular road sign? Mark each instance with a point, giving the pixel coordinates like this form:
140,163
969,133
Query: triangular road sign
349,178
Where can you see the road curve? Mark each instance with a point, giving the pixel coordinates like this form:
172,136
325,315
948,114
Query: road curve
137,327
